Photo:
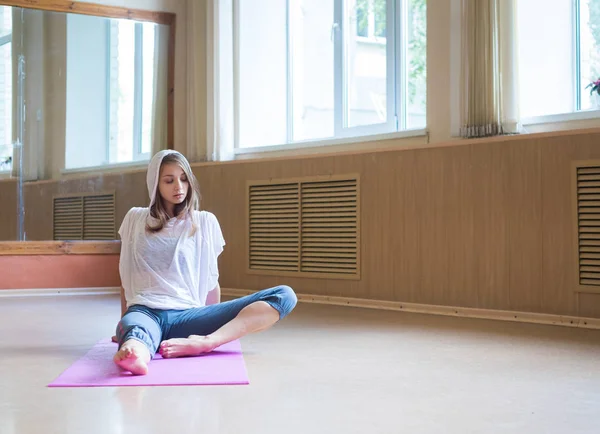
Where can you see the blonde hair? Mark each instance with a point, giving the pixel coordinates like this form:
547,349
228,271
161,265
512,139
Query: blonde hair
183,209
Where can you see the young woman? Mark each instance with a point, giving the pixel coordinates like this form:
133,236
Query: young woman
169,273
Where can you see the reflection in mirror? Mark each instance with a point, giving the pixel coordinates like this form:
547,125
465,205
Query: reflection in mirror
5,89
111,90
93,95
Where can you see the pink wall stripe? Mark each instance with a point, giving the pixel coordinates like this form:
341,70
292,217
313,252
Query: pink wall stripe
59,271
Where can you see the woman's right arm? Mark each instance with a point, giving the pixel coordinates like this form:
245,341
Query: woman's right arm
123,302
214,296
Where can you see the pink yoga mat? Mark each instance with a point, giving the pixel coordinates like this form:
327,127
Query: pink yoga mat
225,365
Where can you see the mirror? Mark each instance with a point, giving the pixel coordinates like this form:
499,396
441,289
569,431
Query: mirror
80,96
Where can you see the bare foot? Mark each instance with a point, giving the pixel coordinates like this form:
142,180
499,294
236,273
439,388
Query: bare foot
133,357
194,345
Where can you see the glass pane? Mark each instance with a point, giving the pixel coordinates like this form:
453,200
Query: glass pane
362,23
546,78
312,69
148,78
379,22
122,90
5,107
87,62
366,64
6,85
590,53
262,73
416,60
5,20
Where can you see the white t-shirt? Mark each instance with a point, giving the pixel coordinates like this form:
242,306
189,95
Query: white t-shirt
169,269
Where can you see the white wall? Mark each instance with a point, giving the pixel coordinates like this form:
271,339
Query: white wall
87,91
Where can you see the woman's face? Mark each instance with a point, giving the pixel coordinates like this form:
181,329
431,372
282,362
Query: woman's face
173,185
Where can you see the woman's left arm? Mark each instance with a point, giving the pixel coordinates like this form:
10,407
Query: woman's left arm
214,296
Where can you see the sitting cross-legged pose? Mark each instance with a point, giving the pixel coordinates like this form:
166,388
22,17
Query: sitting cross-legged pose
169,274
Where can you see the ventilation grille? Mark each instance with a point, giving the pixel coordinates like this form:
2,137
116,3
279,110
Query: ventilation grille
307,227
588,213
89,217
274,219
68,218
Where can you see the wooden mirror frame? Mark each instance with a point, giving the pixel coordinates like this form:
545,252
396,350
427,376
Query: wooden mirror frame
106,11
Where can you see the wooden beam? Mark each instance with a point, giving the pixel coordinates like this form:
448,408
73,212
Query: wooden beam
20,248
93,9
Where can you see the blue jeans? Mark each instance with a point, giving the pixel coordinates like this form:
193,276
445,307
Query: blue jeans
152,326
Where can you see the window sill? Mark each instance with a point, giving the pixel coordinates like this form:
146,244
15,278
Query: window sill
331,142
563,117
107,168
374,40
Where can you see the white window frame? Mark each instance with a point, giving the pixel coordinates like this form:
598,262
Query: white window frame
397,84
578,114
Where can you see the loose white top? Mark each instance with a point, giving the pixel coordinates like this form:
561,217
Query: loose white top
170,269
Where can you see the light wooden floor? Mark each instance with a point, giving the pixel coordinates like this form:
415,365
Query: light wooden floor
323,370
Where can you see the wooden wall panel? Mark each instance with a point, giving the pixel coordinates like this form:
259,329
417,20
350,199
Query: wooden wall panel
433,263
589,305
376,263
405,243
489,177
524,214
483,223
8,210
459,223
130,191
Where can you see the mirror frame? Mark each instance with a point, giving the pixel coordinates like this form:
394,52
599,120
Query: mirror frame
98,10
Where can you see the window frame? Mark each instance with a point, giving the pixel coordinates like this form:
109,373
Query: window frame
396,82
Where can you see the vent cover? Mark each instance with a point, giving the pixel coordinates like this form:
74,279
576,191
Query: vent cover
84,217
588,224
307,227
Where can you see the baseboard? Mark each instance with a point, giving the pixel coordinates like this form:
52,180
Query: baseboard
46,292
464,312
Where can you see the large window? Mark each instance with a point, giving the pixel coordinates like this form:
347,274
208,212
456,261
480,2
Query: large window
5,88
559,55
111,121
320,69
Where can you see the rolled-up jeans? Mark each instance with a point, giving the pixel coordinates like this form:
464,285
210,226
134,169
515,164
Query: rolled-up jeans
152,326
